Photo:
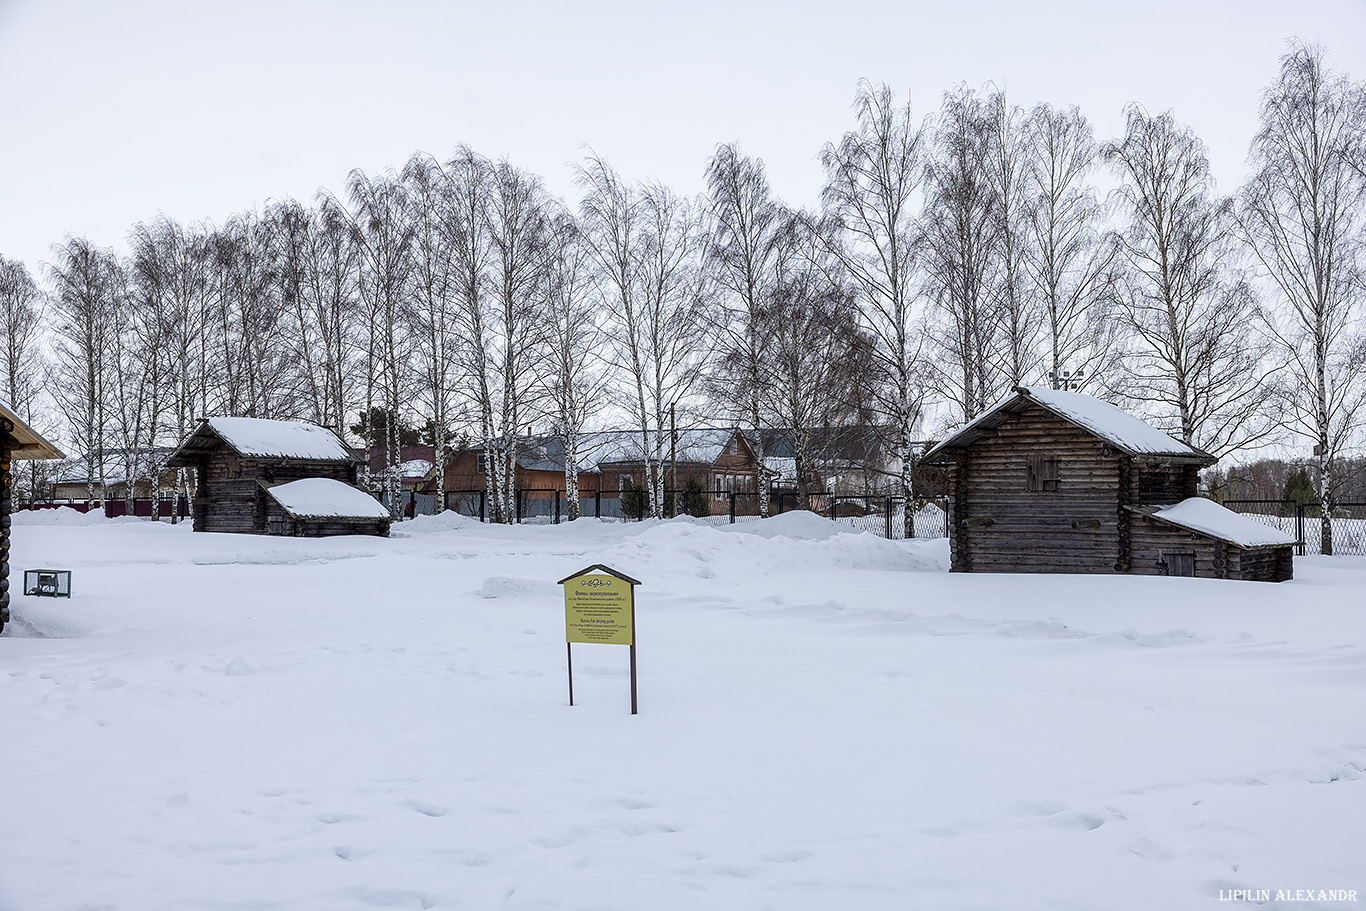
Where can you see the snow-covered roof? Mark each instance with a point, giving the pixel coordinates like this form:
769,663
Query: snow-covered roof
29,443
783,469
413,468
280,439
326,498
1209,518
1113,425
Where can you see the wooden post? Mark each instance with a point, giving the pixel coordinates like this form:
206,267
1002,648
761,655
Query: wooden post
569,660
634,709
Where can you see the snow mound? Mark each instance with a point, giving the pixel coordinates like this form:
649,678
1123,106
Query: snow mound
799,525
67,516
509,587
446,521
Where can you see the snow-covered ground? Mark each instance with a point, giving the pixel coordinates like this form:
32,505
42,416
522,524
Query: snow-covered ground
828,721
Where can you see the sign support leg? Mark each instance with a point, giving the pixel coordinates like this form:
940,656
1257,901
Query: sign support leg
633,679
569,655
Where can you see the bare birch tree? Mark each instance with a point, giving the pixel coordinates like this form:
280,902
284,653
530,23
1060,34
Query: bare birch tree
170,283
1194,352
22,309
1068,261
1017,312
470,244
572,372
519,224
813,355
744,220
380,213
872,181
88,289
961,239
1302,215
433,305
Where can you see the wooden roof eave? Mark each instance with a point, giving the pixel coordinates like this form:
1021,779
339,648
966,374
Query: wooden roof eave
27,443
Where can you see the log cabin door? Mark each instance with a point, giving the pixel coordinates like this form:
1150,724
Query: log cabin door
1180,564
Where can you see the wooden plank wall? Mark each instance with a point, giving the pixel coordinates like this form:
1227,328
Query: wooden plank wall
1151,538
1002,527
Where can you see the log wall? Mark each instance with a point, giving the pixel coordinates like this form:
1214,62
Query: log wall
1155,484
1152,538
6,491
1001,526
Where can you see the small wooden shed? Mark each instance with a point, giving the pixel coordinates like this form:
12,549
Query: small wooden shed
318,507
18,442
238,460
1054,481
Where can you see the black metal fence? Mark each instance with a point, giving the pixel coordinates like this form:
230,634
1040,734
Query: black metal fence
1346,521
876,513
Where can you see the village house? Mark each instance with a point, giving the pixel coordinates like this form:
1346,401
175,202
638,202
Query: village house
250,475
112,470
18,442
1053,481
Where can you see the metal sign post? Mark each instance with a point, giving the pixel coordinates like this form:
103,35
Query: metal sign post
600,608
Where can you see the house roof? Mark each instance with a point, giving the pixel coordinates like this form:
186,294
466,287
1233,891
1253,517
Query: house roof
325,498
618,447
267,439
1209,518
29,443
1101,419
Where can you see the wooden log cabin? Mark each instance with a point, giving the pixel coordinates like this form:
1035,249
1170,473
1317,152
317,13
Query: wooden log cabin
240,462
1053,481
18,442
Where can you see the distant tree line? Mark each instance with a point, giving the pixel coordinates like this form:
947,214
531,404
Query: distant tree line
951,258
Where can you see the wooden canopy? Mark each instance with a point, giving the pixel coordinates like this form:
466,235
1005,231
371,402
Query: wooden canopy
22,441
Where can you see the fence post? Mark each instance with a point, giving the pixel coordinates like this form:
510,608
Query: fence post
483,505
1299,525
597,503
517,504
732,507
889,518
833,504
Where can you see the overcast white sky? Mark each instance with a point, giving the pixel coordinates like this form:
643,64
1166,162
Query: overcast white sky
111,112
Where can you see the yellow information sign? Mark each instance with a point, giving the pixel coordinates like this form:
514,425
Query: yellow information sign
597,609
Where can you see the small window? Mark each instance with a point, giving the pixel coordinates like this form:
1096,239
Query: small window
1179,564
234,465
1041,472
